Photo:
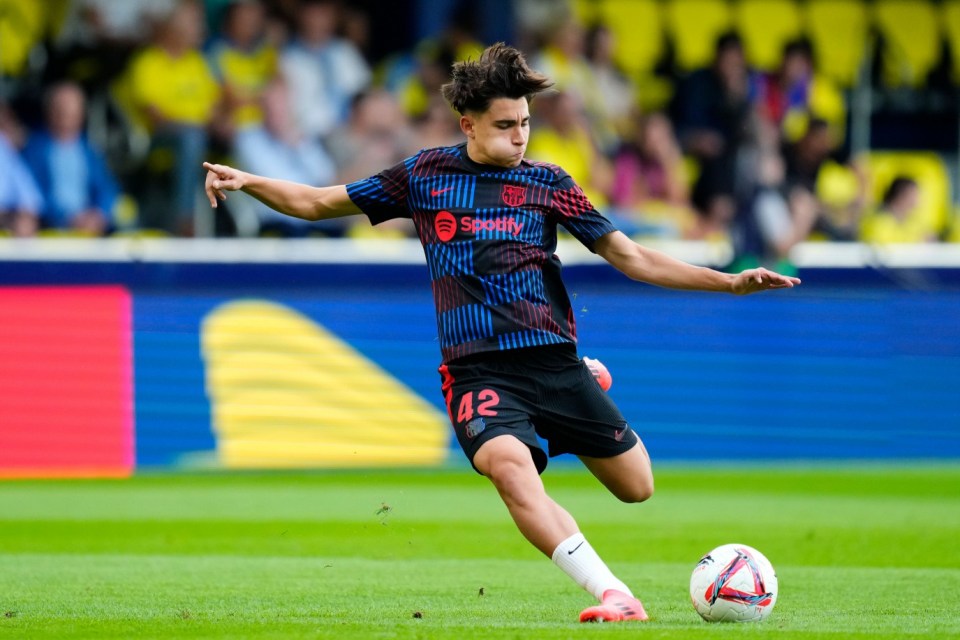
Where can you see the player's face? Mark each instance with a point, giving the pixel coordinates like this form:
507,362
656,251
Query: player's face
499,135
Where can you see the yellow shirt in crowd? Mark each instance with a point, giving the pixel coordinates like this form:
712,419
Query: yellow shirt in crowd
245,73
182,89
882,227
22,26
573,153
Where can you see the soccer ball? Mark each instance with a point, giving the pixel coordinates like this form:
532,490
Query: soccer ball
733,583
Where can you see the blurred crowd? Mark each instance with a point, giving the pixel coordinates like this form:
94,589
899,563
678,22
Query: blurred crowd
107,110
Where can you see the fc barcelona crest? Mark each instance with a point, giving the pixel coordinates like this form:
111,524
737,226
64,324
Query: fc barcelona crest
513,196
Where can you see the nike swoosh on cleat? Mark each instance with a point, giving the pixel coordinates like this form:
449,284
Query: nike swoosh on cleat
436,192
570,553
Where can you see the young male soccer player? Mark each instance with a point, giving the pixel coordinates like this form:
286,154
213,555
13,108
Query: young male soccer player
487,219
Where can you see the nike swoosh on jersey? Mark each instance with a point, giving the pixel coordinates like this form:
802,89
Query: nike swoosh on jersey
436,192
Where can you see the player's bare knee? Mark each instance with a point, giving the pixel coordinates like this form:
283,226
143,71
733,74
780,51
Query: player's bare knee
503,457
512,478
506,472
639,490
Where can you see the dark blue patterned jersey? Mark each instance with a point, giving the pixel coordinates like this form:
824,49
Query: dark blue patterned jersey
489,236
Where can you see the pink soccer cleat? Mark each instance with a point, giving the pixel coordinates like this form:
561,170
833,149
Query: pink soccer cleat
599,372
616,606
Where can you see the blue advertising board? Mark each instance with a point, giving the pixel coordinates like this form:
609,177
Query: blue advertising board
262,365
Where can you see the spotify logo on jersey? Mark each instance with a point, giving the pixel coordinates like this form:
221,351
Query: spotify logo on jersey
445,226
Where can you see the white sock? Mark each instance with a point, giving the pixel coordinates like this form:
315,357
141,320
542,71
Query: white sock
579,561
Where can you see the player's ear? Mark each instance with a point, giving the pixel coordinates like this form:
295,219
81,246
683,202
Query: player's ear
468,126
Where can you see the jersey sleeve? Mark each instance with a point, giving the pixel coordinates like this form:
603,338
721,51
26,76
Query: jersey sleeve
383,196
577,214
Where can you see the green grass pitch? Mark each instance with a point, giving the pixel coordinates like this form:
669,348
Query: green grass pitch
861,552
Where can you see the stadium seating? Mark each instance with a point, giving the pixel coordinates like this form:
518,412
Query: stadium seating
930,173
766,26
910,41
837,185
638,28
838,31
950,19
639,33
22,26
693,27
826,102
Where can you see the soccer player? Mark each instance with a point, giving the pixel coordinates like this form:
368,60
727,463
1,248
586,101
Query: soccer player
487,218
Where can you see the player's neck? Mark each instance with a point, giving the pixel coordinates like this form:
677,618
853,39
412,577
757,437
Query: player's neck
475,156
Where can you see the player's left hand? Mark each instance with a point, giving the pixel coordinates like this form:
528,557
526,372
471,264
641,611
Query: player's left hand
754,280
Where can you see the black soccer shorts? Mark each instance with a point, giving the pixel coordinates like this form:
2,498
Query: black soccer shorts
530,392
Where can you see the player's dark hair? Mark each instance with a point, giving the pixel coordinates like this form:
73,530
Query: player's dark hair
501,72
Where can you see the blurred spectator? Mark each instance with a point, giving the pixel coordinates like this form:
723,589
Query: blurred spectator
784,96
243,62
794,94
170,96
564,60
769,222
97,39
650,185
78,189
377,135
806,156
20,199
715,211
562,135
804,161
10,127
618,92
324,71
895,221
841,196
416,78
176,111
439,126
277,149
711,112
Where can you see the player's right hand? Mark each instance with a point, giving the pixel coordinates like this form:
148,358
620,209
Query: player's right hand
220,179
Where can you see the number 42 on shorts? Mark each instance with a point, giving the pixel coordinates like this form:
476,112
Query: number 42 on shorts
487,399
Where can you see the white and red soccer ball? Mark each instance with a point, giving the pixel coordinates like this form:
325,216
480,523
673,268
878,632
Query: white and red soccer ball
733,583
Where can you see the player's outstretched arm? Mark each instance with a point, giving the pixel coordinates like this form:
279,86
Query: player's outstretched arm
292,198
655,267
